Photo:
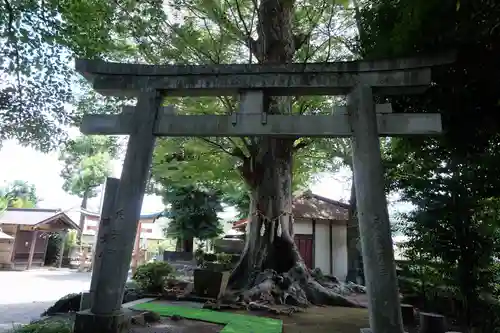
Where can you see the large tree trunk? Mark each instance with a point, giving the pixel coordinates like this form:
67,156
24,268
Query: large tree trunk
271,265
85,199
354,264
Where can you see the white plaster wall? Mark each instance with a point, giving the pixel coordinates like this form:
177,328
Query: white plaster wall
322,248
339,236
302,227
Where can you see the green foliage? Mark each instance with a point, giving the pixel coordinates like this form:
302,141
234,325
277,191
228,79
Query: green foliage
70,240
452,180
224,258
193,213
36,74
18,194
3,204
54,244
199,256
151,276
45,326
201,32
87,163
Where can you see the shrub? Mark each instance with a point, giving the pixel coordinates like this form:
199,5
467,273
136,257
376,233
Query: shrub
199,256
59,326
209,257
225,259
151,276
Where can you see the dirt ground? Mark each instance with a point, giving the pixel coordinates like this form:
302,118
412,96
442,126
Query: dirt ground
182,326
313,320
322,320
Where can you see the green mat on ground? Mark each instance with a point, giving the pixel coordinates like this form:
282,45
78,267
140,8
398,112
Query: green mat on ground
234,323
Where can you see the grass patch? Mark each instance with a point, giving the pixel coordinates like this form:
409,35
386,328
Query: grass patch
234,323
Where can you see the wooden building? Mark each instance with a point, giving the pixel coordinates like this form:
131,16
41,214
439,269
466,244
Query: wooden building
28,229
320,232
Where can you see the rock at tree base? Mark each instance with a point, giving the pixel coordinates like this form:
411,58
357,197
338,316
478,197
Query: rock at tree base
73,302
175,288
69,303
209,283
86,322
297,288
432,323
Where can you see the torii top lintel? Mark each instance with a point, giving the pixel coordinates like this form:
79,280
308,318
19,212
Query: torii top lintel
390,76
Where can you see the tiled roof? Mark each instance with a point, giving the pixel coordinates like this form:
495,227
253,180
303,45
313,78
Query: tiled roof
312,206
143,216
35,216
26,216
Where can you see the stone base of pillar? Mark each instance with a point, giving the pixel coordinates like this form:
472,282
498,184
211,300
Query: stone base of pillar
86,322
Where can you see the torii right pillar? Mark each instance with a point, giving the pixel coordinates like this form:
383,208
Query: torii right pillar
375,230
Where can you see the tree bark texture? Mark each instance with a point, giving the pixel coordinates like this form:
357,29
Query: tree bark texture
354,270
271,265
85,199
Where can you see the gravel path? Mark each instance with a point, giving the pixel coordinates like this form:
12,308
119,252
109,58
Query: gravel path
25,295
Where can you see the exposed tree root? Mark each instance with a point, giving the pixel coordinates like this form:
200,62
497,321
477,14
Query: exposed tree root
291,291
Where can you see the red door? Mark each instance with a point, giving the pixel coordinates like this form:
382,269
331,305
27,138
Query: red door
305,245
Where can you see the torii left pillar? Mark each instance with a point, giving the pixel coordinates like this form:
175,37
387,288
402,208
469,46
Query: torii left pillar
116,253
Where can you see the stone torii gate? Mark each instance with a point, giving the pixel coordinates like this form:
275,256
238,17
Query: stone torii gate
361,119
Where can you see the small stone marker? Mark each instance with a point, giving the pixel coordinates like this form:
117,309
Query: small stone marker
432,323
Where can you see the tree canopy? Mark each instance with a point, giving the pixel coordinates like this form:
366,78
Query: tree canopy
451,179
86,164
193,213
18,194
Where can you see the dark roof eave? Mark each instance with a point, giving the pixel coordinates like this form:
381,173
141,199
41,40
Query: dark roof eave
61,216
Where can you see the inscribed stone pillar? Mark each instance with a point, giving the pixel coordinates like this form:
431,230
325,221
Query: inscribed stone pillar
122,225
376,241
100,283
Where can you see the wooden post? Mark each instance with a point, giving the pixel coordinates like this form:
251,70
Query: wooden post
13,249
116,256
34,236
64,235
379,266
